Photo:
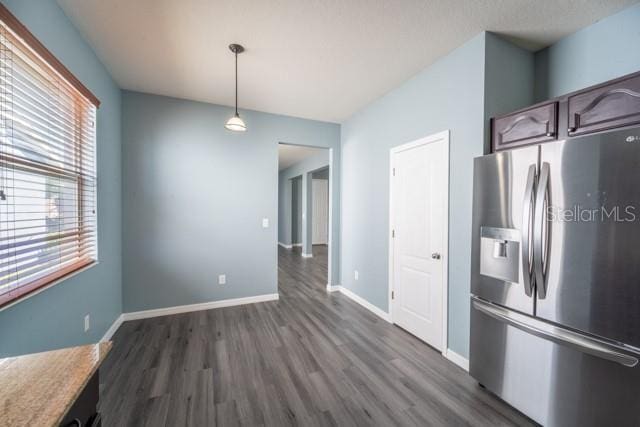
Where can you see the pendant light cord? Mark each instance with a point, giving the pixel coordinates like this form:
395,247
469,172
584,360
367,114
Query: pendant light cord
236,52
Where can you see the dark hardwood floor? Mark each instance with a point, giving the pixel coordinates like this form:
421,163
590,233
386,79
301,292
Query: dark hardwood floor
309,359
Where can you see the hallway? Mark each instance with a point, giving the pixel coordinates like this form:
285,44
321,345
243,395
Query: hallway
301,274
310,358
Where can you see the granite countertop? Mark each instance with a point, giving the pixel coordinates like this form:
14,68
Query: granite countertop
38,389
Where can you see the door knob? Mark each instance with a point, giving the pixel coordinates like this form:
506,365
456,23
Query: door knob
435,255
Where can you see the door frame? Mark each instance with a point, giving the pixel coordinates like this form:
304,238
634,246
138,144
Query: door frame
330,241
313,218
437,137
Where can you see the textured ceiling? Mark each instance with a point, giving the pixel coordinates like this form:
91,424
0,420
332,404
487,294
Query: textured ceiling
289,155
318,59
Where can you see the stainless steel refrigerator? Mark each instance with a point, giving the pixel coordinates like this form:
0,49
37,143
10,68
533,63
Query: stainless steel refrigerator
555,279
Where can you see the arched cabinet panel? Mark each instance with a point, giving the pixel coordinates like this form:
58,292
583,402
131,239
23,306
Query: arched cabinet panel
530,126
604,107
610,105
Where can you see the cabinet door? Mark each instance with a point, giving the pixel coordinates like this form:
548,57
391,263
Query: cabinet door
614,105
84,408
531,126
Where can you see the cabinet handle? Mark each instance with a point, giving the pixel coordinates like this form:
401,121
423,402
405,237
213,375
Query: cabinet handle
571,130
550,133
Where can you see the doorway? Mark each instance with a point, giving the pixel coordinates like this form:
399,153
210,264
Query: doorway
418,258
304,215
296,211
320,207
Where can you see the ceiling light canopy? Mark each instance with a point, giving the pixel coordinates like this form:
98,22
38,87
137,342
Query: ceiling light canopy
235,123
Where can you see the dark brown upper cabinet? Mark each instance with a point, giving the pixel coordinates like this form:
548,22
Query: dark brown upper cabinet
608,106
530,126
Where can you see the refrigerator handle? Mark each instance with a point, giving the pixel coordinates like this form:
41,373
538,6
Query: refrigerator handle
527,268
541,232
565,337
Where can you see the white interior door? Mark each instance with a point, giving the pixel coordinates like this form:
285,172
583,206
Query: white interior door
419,197
320,218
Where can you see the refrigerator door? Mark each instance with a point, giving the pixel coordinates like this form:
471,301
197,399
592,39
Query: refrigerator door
587,237
554,375
501,261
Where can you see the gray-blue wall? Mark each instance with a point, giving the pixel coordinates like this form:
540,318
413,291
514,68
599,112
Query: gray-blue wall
447,95
508,79
460,92
54,318
195,196
608,49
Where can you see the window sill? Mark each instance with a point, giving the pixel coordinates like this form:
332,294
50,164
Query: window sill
48,285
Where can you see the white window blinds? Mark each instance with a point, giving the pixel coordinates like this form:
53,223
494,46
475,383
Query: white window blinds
47,168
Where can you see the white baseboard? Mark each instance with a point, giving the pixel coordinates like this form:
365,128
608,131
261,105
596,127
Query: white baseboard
366,304
454,357
292,245
113,328
145,314
307,255
457,359
331,288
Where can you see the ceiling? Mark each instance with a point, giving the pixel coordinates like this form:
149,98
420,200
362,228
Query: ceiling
317,59
289,155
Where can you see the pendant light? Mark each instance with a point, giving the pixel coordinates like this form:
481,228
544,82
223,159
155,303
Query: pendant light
235,123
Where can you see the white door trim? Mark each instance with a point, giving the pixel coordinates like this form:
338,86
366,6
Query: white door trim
441,136
332,176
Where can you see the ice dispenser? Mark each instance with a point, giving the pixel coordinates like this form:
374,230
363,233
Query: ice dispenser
499,253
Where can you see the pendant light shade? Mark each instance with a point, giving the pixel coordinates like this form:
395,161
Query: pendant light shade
235,123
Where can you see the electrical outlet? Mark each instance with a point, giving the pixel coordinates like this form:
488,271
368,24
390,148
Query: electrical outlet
356,275
265,222
87,322
222,279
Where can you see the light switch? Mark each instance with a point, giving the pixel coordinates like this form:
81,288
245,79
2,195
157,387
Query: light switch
222,279
265,222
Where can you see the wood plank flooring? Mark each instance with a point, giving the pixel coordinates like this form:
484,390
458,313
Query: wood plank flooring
309,359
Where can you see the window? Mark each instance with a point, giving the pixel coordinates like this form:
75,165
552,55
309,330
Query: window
47,166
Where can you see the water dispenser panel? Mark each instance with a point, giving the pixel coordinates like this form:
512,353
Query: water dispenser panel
500,253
